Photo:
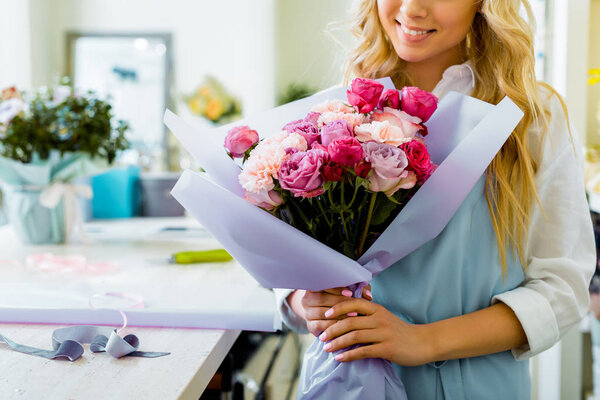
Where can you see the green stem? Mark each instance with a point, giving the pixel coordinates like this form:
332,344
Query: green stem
353,196
344,225
367,224
324,213
343,196
303,216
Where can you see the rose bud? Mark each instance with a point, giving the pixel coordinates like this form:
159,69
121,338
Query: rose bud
239,140
332,172
418,103
362,169
389,98
364,94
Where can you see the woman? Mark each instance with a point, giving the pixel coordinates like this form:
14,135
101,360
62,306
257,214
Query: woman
460,316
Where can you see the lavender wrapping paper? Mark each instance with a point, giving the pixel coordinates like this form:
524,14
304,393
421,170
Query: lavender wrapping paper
464,136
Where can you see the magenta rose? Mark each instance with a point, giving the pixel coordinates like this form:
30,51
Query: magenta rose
239,140
306,129
334,130
364,94
345,150
264,199
388,164
418,103
300,173
389,98
418,159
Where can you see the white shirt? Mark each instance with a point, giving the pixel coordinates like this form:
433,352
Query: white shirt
560,250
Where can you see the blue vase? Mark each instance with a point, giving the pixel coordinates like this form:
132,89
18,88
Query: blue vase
32,222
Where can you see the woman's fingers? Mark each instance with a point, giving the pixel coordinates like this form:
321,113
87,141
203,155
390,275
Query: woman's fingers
317,327
321,299
341,291
376,350
367,293
359,306
362,336
344,327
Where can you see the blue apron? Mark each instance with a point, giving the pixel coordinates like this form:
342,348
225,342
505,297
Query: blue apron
456,273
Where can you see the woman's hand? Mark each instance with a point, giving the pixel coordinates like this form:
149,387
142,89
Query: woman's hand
312,306
382,334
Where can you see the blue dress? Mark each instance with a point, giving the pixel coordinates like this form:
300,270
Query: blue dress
456,273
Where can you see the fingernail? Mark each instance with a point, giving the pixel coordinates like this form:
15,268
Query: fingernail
323,337
368,293
347,293
329,313
352,314
339,357
327,346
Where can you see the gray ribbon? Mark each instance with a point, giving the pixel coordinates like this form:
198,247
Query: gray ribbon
66,343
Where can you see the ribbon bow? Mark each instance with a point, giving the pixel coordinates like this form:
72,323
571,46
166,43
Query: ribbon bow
53,194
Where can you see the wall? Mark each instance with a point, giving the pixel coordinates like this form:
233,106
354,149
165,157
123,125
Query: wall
224,38
312,39
14,44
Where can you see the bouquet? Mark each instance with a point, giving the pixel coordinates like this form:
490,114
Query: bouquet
342,173
47,141
464,136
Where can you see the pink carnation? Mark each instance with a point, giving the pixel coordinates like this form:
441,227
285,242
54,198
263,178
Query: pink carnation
353,119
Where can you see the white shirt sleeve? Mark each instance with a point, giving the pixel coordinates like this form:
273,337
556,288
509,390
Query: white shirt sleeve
289,317
560,252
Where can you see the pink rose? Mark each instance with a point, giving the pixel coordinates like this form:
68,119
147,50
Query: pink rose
300,173
388,164
264,199
239,140
418,103
306,129
334,130
364,94
313,118
418,159
389,98
345,150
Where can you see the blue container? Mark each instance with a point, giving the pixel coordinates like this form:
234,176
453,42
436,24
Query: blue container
116,193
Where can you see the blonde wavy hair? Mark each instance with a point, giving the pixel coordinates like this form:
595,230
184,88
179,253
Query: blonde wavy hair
499,48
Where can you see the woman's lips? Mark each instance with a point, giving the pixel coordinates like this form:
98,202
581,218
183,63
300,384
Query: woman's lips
413,34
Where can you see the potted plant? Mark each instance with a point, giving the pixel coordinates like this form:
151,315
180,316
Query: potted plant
48,140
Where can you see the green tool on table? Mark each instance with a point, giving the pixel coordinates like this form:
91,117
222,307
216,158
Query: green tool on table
202,256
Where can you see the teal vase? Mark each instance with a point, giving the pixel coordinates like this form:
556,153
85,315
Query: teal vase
32,222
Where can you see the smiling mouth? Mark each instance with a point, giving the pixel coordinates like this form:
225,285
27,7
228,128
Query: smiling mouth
414,32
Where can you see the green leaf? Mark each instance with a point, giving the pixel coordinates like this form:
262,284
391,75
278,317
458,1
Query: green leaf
383,209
